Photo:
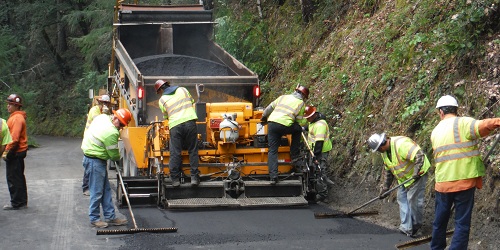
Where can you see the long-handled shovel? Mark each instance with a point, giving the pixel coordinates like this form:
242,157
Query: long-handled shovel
352,213
330,182
135,229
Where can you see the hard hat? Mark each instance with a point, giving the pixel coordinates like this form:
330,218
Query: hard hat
375,141
104,98
447,100
15,100
159,84
310,110
303,90
123,115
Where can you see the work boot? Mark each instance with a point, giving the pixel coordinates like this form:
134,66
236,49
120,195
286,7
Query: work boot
274,180
328,181
10,207
86,193
176,182
320,197
195,180
117,222
99,224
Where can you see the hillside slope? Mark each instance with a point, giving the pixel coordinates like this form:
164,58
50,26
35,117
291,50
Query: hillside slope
379,66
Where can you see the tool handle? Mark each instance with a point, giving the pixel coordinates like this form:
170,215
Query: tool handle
377,198
125,193
497,138
307,144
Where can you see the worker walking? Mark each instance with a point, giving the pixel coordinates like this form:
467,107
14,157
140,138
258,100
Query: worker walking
285,116
459,170
14,154
176,105
404,159
100,143
101,108
319,142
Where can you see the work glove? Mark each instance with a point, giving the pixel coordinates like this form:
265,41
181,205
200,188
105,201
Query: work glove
419,162
8,155
383,193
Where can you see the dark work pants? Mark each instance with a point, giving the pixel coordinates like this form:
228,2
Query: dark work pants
16,180
184,134
274,134
464,203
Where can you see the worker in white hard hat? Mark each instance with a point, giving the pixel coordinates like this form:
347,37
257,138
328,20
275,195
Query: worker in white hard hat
102,107
459,170
403,160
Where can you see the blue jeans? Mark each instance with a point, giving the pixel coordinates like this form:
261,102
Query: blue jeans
100,190
411,205
464,202
85,181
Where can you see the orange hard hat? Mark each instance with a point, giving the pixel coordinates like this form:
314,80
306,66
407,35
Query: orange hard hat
159,84
310,110
303,90
15,100
123,115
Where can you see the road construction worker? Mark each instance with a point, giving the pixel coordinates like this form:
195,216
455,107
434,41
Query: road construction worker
319,142
285,116
404,159
176,105
459,170
100,143
102,107
14,154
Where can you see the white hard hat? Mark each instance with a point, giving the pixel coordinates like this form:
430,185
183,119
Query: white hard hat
447,100
375,141
104,98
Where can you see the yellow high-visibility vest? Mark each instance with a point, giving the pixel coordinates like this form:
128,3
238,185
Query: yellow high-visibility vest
455,142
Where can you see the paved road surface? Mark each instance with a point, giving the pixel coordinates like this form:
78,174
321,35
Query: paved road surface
57,217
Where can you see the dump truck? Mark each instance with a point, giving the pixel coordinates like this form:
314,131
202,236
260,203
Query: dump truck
175,43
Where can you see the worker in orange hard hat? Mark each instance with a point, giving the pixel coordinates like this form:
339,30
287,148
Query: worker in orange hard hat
102,107
320,144
100,143
285,116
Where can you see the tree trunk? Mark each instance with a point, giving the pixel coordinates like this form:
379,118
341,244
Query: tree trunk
307,7
62,46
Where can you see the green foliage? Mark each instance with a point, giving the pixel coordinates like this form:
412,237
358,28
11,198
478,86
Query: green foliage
414,108
246,40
